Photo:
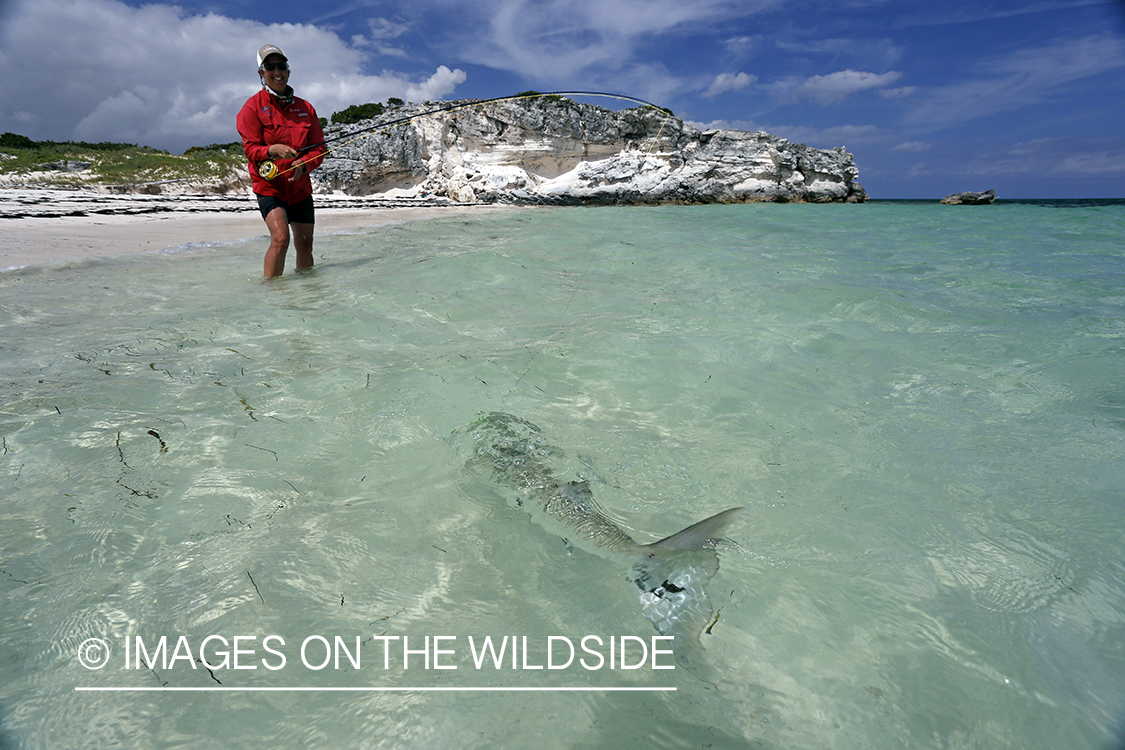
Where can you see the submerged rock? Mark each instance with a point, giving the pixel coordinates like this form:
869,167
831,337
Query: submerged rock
67,165
969,199
553,150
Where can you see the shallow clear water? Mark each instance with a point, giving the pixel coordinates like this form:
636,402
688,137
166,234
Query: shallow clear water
923,408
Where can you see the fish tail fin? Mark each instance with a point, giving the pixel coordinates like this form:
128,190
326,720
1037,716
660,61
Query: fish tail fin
671,574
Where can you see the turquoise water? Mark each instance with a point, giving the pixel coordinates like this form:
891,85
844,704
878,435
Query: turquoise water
922,407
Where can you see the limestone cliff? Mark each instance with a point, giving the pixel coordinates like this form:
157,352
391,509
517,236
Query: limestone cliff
558,151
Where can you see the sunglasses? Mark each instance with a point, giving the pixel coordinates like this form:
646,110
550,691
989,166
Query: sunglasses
270,67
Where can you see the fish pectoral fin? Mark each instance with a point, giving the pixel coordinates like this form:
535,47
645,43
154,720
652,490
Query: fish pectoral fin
697,536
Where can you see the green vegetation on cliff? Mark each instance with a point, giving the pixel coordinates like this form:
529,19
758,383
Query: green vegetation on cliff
81,163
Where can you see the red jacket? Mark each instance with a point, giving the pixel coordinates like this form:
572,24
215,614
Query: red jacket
264,121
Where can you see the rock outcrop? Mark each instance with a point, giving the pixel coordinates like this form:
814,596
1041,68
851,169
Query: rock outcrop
552,150
67,165
969,199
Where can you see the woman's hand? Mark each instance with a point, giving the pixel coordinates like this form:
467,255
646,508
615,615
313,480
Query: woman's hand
298,170
281,151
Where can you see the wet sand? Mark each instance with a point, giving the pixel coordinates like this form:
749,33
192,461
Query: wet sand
40,226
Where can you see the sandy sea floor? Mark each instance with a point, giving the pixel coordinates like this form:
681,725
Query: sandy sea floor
921,407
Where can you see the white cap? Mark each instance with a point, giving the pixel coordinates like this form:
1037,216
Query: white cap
268,50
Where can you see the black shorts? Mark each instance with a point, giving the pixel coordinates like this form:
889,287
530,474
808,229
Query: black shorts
298,213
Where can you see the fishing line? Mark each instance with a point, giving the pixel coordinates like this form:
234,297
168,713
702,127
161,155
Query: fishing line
355,135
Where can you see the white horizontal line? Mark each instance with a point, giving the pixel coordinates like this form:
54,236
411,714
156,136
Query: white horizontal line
371,689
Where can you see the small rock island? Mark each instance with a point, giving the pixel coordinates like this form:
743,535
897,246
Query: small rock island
969,199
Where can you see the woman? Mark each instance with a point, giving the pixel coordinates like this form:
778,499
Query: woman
275,126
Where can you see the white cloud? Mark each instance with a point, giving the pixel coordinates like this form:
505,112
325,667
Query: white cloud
728,82
157,76
119,115
342,90
558,42
1063,158
899,93
380,32
835,87
436,86
830,137
741,46
1026,78
1055,157
913,146
875,52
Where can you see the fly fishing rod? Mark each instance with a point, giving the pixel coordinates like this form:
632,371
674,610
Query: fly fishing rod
269,170
454,107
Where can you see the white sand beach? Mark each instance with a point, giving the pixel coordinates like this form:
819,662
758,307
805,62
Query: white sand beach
39,226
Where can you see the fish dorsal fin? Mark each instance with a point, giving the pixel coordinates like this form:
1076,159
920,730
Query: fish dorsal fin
695,536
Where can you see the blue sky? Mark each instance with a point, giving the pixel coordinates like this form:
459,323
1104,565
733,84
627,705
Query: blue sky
1026,97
